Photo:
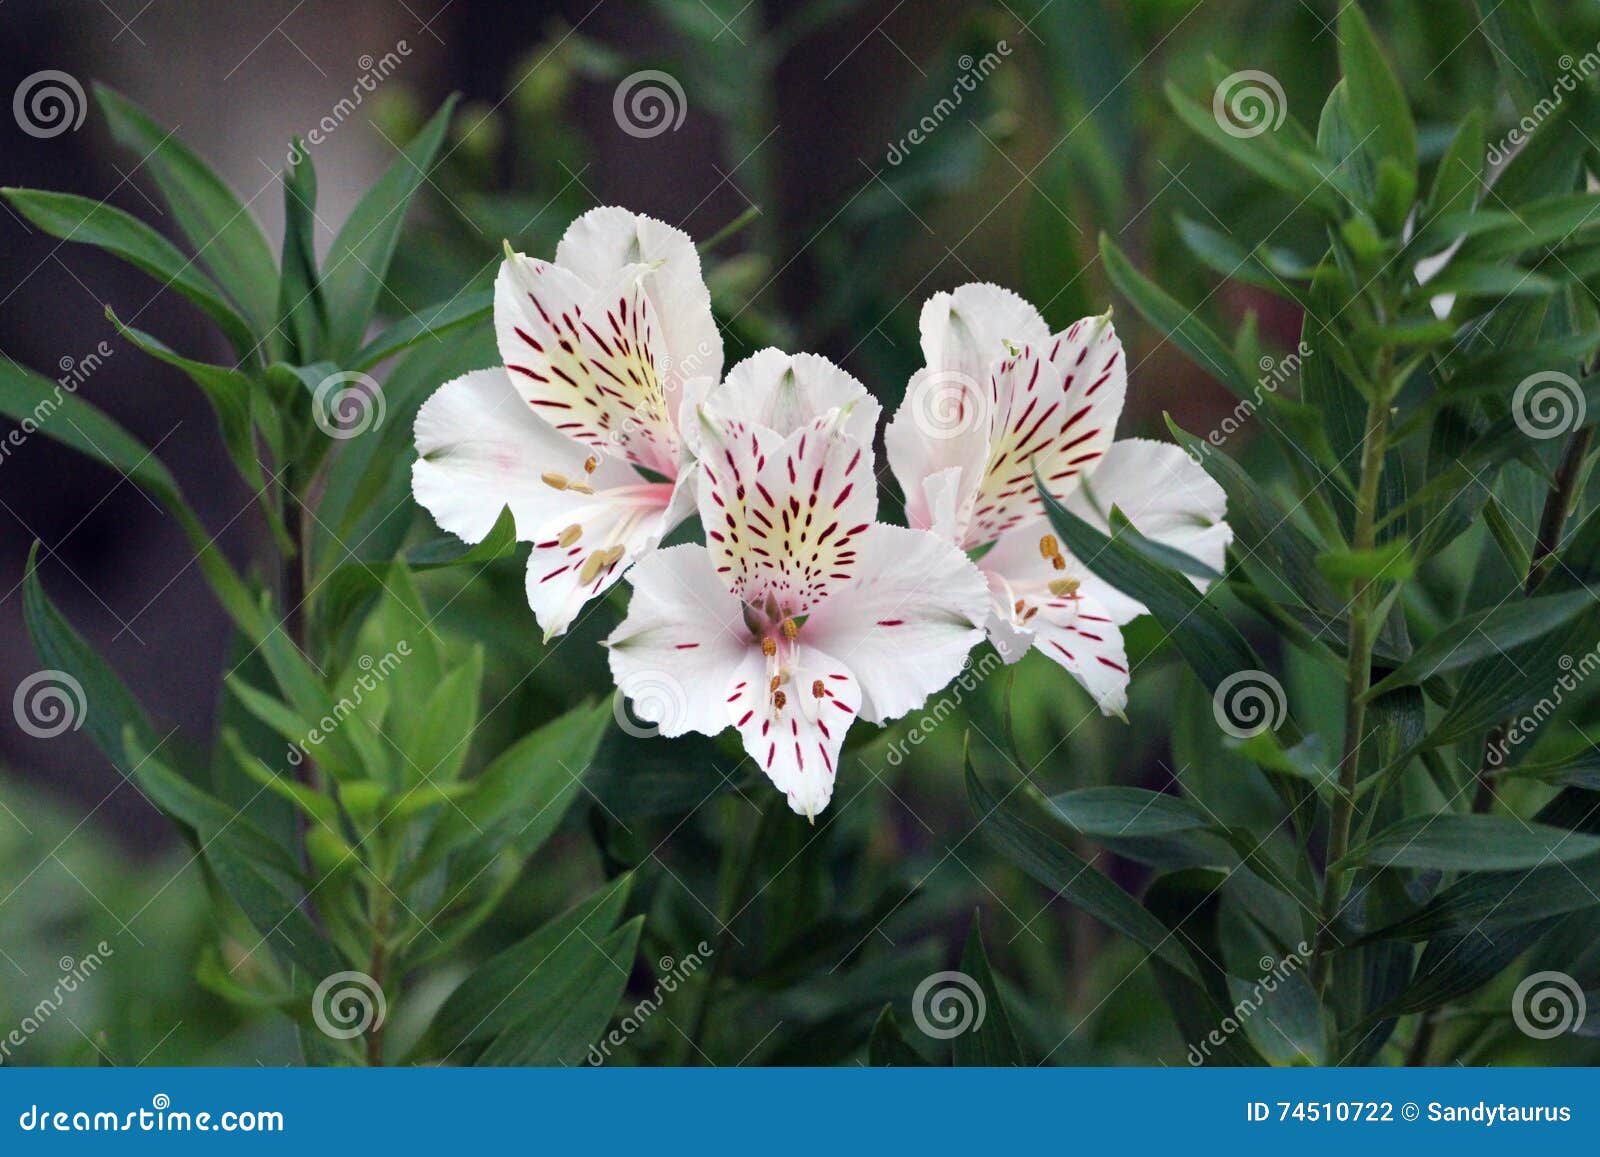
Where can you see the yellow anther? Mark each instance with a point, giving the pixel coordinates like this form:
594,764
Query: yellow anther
776,680
551,478
591,567
769,647
580,488
791,629
591,464
570,535
1064,587
1049,547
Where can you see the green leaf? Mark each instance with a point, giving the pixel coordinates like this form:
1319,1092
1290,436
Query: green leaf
1020,826
437,739
217,223
1451,842
1208,642
432,323
518,800
514,983
359,258
301,310
1379,111
888,1048
574,1003
991,1041
86,222
1173,321
1483,634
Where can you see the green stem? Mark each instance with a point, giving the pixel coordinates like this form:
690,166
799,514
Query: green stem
1558,503
1358,676
737,870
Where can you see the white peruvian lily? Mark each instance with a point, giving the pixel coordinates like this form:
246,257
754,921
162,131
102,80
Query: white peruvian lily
578,433
801,611
1000,398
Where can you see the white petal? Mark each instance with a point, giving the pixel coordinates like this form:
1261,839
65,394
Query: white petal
969,330
590,359
784,392
1056,411
796,744
603,242
1075,632
943,425
782,515
481,448
906,621
676,653
1166,494
583,550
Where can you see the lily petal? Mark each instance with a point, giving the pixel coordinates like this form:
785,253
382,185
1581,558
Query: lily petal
782,515
683,640
784,392
907,622
589,359
480,448
967,331
796,741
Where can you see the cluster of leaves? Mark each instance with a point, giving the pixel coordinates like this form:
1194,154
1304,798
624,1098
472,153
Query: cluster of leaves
1421,854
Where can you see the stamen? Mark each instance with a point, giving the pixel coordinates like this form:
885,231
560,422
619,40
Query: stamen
1049,547
591,464
1017,607
1064,588
551,478
769,647
591,567
776,680
817,689
778,700
570,535
791,630
580,488
1059,563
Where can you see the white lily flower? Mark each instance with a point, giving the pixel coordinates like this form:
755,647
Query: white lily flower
999,398
604,350
801,611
